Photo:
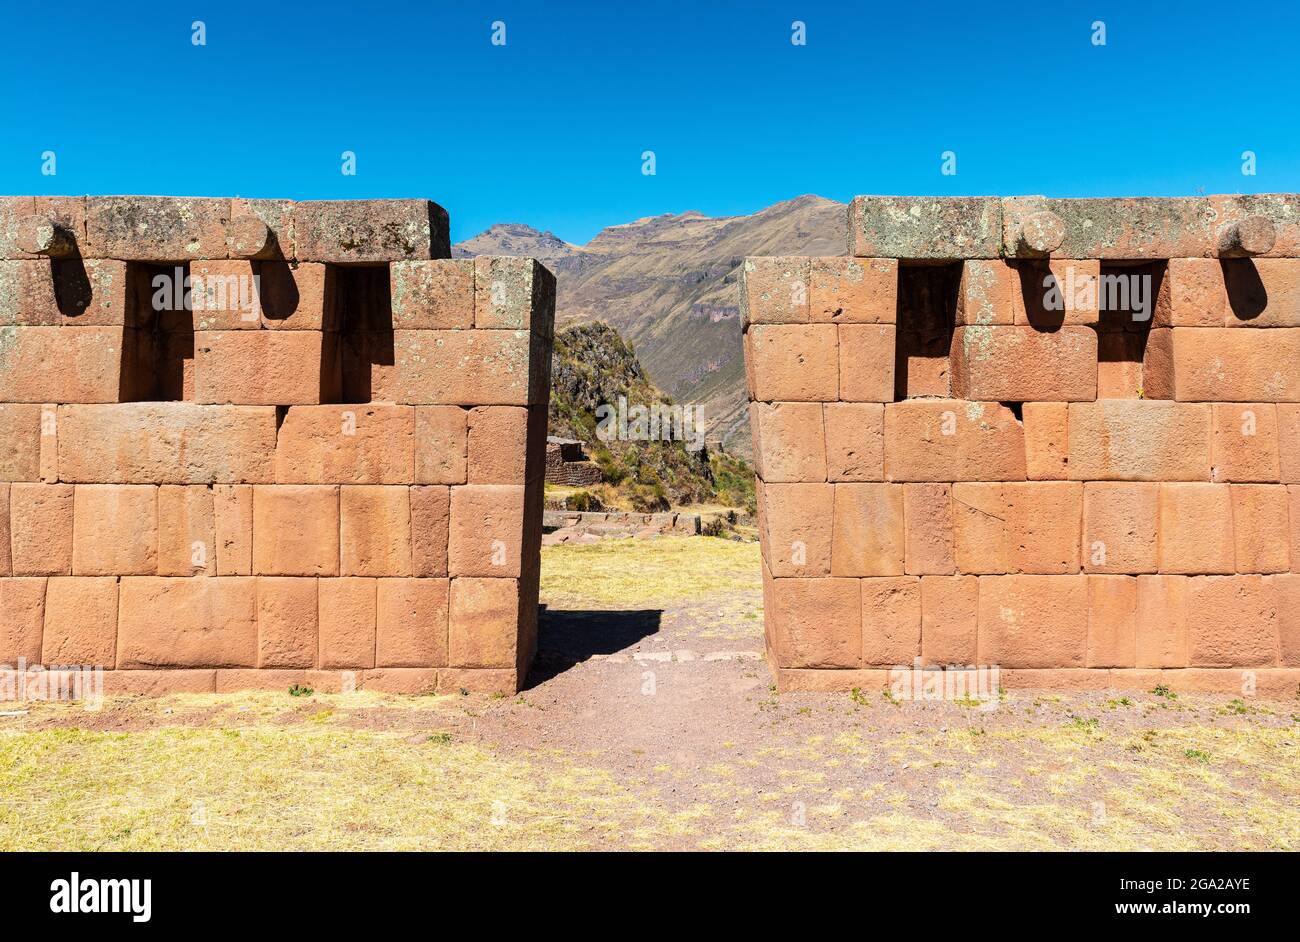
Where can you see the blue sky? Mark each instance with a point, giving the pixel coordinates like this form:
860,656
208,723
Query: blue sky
549,128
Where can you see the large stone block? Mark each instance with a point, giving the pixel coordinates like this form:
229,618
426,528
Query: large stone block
199,622
1033,621
1139,440
925,227
953,440
352,231
1024,364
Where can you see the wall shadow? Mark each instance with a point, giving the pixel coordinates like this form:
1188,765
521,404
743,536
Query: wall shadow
566,638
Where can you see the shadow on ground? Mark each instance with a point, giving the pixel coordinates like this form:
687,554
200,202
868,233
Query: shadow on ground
566,638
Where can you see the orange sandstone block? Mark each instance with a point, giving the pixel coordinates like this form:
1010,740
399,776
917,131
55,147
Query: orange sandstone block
430,525
928,518
115,530
158,683
80,621
1262,292
286,622
1023,364
432,293
463,367
40,529
22,619
484,623
296,530
1033,621
199,622
232,511
867,533
411,622
513,293
1195,527
1120,526
497,444
1043,521
351,444
796,519
844,290
61,364
1231,622
947,440
949,619
166,443
891,620
6,543
264,367
1047,445
1112,621
1223,364
1192,294
980,542
774,290
795,362
225,295
817,622
1288,438
441,444
187,543
1244,446
987,293
866,362
20,442
1286,589
302,296
1139,440
346,623
1162,621
855,440
789,441
1293,502
1261,527
375,530
487,525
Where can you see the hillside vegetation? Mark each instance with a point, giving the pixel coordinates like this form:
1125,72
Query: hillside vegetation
592,368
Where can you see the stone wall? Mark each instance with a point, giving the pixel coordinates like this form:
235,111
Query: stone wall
1056,437
252,443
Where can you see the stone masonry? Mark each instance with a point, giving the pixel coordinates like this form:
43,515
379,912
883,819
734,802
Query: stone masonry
253,443
1056,437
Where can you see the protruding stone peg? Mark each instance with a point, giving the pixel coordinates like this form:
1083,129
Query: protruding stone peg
1041,233
249,237
1253,235
41,235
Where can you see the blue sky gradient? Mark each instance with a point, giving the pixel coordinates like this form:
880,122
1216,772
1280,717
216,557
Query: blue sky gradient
549,128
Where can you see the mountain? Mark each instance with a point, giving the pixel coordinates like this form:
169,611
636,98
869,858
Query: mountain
669,285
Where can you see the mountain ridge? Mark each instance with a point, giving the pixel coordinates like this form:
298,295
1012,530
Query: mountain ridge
668,284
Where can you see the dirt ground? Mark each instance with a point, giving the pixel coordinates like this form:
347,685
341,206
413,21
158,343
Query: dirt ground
651,722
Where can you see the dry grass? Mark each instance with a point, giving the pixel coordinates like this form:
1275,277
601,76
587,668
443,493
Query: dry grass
634,573
264,771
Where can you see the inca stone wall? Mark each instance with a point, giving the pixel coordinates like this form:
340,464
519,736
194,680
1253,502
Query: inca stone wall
1056,437
252,443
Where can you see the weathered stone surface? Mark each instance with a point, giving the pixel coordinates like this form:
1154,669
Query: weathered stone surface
370,230
198,622
925,227
1022,364
156,228
166,443
1146,227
